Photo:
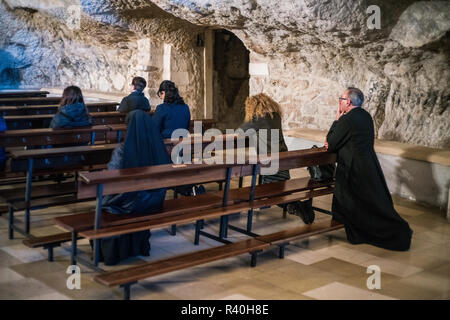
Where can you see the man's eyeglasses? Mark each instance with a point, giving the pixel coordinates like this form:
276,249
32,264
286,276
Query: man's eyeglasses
343,99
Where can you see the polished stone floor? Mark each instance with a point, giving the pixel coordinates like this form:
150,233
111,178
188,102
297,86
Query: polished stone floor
322,267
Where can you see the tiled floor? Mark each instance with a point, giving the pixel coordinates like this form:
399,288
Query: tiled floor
322,267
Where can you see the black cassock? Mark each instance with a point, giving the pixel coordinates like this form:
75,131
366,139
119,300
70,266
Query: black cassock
143,146
361,199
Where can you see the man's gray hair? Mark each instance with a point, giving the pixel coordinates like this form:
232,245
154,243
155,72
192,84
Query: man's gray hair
356,96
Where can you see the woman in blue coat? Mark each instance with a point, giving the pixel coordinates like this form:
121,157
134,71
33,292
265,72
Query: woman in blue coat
173,113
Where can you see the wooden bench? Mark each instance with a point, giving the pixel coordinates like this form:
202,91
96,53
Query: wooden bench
52,109
43,120
49,137
43,161
27,101
22,93
50,161
125,278
98,118
48,242
100,225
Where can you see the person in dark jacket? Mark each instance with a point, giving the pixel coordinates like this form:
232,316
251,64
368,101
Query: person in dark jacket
72,111
2,149
143,146
173,113
361,199
263,113
136,99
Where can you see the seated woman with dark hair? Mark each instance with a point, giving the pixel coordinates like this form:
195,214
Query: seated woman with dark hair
72,111
143,146
136,99
173,113
263,113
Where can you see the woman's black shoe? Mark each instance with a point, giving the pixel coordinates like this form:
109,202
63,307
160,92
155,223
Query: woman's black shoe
303,209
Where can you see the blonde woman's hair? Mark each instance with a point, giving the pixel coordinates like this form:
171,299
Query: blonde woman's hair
260,105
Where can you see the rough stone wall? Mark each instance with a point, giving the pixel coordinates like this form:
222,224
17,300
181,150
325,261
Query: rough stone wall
39,48
314,49
44,51
308,51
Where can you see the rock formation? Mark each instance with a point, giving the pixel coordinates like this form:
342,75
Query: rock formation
303,53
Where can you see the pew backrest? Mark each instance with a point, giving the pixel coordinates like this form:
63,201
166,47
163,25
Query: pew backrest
170,175
52,109
22,93
24,101
48,136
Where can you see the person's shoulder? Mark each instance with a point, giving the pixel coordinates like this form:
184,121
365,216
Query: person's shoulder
360,112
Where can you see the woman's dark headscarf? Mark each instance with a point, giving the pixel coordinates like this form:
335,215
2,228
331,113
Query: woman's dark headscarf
171,92
143,144
143,147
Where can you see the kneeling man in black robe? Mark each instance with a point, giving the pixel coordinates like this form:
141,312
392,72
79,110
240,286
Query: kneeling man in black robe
361,199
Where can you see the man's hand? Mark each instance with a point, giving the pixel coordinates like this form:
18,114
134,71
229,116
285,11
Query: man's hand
326,144
339,113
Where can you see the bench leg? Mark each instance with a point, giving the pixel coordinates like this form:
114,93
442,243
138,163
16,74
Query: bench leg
197,233
284,211
253,261
27,221
74,249
50,254
220,186
11,223
241,181
173,230
96,252
126,290
281,252
250,220
223,227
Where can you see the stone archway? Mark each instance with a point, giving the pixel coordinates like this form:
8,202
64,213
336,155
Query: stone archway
230,79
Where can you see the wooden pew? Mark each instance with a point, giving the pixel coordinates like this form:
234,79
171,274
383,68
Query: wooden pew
19,101
98,118
43,120
98,225
47,136
50,161
22,93
42,161
52,109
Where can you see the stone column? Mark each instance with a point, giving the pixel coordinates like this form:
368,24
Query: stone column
150,62
208,55
259,73
167,74
179,72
